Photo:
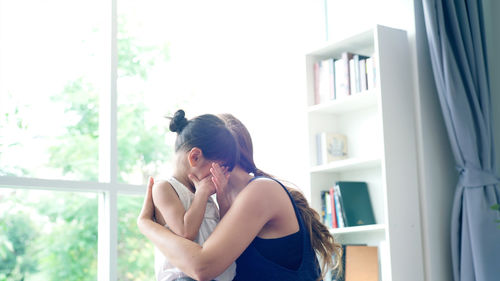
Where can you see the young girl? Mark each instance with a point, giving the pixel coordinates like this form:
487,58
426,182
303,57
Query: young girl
189,212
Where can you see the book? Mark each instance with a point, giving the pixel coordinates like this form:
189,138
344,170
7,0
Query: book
316,83
362,74
339,210
353,75
342,79
334,210
319,155
324,80
336,276
328,202
326,206
371,72
331,68
331,147
323,207
354,200
361,263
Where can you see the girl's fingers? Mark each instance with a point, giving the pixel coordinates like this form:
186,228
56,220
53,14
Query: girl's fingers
147,211
194,179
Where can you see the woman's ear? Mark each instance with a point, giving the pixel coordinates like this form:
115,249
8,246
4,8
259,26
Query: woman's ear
195,157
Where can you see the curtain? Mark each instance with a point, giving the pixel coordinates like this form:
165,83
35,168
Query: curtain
455,31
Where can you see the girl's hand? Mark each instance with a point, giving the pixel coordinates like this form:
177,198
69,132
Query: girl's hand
148,209
220,178
204,185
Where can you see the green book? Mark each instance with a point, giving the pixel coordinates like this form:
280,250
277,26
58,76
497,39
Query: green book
355,201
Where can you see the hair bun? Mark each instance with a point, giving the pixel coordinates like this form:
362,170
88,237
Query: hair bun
178,122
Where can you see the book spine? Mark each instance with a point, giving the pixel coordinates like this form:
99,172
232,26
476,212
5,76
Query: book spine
324,148
328,220
319,154
370,73
338,206
325,80
323,207
316,82
334,209
357,78
362,74
346,56
331,67
352,76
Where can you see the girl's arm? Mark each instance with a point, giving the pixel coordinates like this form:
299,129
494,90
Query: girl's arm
170,210
251,210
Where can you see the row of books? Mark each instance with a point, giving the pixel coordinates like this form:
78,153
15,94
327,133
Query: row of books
359,262
338,78
330,147
347,204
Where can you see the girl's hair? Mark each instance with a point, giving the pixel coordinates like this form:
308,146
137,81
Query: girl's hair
321,239
208,133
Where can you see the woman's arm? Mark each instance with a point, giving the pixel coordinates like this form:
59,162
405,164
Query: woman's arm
170,211
251,210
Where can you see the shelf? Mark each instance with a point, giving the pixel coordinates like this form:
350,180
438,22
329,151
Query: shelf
355,102
380,126
357,229
362,43
347,165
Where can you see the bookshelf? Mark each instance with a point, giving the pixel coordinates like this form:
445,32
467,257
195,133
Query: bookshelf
380,127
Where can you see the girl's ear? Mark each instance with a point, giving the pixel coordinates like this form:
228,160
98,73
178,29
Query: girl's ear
195,157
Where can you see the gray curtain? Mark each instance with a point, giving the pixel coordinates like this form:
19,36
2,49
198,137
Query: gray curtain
455,31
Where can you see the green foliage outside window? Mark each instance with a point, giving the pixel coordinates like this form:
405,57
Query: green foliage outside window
64,247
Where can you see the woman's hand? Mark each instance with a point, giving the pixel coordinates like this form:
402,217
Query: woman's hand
220,178
148,209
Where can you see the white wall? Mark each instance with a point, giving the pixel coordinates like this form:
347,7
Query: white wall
349,17
248,58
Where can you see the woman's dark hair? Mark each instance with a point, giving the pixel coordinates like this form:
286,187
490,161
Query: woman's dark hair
208,133
322,240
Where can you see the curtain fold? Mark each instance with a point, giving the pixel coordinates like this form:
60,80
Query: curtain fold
455,31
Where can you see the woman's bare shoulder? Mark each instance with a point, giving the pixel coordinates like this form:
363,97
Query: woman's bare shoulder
263,191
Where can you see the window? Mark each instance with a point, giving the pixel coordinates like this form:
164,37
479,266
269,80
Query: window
48,235
52,72
68,206
85,86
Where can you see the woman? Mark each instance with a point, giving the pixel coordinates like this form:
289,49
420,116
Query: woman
271,233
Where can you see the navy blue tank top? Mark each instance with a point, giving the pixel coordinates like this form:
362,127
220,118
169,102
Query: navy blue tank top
252,265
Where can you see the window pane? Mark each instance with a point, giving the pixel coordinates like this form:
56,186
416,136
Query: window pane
144,86
48,235
53,59
135,252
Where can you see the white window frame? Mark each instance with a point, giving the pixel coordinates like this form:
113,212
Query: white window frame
107,187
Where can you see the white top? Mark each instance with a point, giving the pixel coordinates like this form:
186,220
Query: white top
167,272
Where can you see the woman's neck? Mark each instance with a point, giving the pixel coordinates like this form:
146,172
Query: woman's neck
238,180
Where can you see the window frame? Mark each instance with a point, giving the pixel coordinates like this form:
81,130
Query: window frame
107,187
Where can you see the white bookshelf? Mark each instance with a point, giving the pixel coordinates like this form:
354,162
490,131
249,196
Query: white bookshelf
380,128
